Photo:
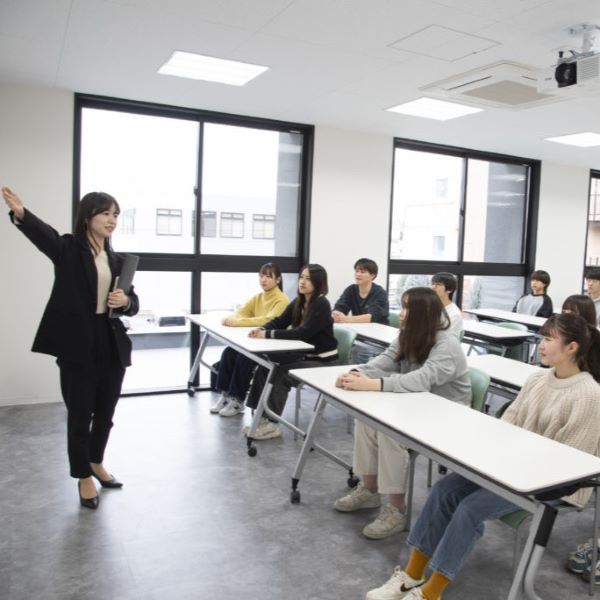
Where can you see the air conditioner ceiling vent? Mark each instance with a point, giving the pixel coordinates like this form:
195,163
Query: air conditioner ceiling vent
502,84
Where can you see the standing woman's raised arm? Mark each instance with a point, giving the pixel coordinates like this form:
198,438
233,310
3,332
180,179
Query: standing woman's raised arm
13,202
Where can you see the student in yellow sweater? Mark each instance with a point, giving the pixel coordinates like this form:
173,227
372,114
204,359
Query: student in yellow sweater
235,370
561,403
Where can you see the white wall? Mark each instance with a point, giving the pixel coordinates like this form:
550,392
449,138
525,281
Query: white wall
350,212
36,153
562,224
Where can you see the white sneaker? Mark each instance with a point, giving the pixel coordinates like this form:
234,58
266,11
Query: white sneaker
389,521
234,407
220,404
399,585
265,431
360,497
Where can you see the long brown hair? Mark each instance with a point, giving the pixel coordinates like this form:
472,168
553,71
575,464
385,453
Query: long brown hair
93,204
426,316
569,327
581,305
318,278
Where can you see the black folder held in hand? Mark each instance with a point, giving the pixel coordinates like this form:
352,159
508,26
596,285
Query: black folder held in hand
124,280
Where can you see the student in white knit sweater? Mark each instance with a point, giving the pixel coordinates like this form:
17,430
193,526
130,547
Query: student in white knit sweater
561,403
425,357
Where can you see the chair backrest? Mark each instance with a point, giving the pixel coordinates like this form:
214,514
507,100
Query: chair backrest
394,319
480,382
345,338
518,352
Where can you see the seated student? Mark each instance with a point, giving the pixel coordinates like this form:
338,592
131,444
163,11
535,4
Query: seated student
561,403
306,318
234,369
592,285
538,303
444,285
580,559
424,358
363,302
581,305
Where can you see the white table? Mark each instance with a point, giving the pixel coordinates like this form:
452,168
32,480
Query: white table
507,375
488,335
516,464
262,351
376,333
495,314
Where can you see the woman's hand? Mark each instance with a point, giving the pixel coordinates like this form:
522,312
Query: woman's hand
117,299
13,202
257,333
358,382
339,317
228,321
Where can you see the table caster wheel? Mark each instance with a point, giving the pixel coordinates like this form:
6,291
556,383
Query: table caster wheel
353,481
295,497
252,451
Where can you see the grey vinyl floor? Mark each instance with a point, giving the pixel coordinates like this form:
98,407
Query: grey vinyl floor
199,519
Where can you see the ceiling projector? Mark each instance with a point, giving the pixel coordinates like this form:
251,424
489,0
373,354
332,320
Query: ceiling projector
580,69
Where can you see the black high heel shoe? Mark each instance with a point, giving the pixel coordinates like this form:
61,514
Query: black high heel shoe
88,502
109,483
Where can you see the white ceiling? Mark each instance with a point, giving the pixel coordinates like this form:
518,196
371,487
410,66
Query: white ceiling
332,62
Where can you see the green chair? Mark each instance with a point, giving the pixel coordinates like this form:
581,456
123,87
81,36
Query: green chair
394,319
345,338
480,382
519,352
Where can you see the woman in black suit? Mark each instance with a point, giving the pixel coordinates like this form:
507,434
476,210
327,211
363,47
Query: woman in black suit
92,350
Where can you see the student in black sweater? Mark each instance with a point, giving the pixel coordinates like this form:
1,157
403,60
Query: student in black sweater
306,318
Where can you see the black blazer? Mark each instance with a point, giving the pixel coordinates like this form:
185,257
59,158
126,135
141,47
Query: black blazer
66,328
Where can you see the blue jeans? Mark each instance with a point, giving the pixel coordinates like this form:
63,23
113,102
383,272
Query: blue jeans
452,521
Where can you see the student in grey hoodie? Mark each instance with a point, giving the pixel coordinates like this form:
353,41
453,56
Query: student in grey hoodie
537,303
424,358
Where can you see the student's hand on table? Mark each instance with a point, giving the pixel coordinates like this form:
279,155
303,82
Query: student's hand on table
358,382
13,202
338,316
257,333
228,321
117,299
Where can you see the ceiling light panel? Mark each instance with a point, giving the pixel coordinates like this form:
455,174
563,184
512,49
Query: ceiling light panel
586,139
209,68
430,108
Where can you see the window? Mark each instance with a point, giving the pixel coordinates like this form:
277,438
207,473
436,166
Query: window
126,222
168,221
232,225
592,254
465,212
175,171
263,227
208,223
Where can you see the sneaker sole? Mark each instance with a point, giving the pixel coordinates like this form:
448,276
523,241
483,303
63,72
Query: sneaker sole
268,436
586,577
354,509
238,412
381,536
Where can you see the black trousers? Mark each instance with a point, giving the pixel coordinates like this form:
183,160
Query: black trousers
235,373
282,382
90,393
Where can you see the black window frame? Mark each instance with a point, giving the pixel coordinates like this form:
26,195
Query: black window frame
195,262
594,174
460,267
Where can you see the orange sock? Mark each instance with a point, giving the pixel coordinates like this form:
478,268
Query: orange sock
416,564
434,587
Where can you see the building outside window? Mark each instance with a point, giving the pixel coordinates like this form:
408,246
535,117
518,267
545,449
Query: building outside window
126,222
232,225
168,221
263,227
208,224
